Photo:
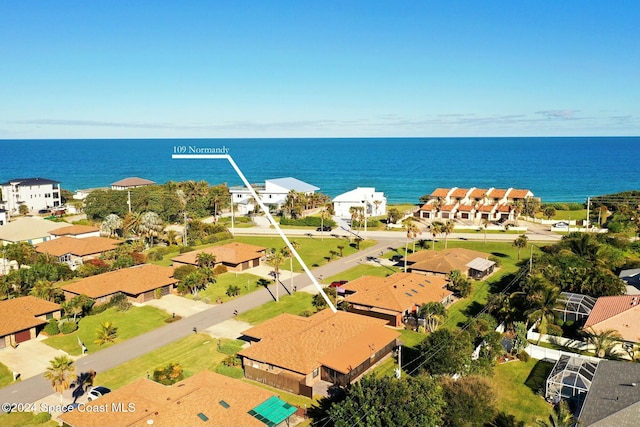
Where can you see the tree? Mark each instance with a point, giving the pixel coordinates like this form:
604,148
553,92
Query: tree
434,314
603,341
561,417
106,333
168,375
531,206
485,225
520,243
46,290
412,230
446,352
544,300
151,226
549,211
319,302
389,402
447,229
436,228
110,225
520,341
204,259
275,259
470,401
393,215
60,374
518,206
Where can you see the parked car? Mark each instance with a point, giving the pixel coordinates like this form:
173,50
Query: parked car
97,392
325,228
338,283
562,225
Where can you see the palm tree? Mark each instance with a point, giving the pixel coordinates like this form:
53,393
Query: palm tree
287,253
111,224
131,223
561,417
544,299
204,259
436,228
377,204
520,243
106,333
518,205
412,231
60,373
603,341
171,236
485,225
151,226
275,259
434,314
447,229
46,290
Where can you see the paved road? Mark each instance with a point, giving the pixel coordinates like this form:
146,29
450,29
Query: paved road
35,388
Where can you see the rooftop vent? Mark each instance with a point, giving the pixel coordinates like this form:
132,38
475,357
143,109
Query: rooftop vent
224,404
203,417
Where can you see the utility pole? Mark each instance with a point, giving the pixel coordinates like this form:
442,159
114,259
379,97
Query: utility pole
232,215
129,199
184,232
399,369
588,203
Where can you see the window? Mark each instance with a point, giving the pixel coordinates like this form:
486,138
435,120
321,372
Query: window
316,372
49,316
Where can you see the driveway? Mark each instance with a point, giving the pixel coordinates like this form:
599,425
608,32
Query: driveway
183,307
231,328
30,358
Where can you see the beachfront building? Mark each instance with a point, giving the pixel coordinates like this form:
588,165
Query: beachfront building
273,193
473,204
374,202
82,194
131,182
139,284
21,319
3,217
34,193
295,353
235,256
395,297
33,230
204,399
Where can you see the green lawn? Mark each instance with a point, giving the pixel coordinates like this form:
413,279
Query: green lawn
6,376
362,270
297,304
292,399
130,323
246,282
516,384
566,215
194,353
15,419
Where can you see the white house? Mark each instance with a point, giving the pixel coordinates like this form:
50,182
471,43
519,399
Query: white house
273,193
29,229
3,217
34,193
374,201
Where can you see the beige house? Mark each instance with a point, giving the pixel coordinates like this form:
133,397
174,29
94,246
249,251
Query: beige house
77,231
235,256
138,283
33,230
394,297
294,353
205,399
131,182
440,263
75,251
21,319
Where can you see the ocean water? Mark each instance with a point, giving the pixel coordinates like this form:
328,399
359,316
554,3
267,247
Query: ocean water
555,169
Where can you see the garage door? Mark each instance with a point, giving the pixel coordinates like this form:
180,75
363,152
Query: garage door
165,290
148,296
23,336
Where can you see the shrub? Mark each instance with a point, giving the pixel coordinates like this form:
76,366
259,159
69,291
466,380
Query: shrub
554,330
68,327
233,290
232,361
120,302
219,269
183,271
170,374
309,221
155,256
52,328
99,308
41,418
524,356
157,293
184,249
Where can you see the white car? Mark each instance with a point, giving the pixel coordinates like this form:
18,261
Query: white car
97,392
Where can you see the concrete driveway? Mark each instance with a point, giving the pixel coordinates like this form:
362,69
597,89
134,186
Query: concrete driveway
183,307
231,328
30,358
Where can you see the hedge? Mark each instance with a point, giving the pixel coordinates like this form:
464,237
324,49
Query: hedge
308,221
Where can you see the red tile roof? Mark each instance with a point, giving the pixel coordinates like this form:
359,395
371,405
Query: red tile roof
428,207
620,313
320,339
478,193
132,281
466,208
440,192
504,208
78,247
519,194
486,208
497,193
459,193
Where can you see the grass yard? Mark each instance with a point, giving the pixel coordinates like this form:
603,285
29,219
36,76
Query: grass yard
15,419
292,399
130,323
516,384
362,270
194,353
246,282
6,376
297,303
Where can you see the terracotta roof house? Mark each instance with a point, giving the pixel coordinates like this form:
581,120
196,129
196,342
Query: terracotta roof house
28,229
77,231
293,353
391,298
235,256
441,263
205,399
75,251
131,182
619,313
138,283
21,319
440,192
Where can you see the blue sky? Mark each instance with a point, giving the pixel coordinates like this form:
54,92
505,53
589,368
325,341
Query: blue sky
98,69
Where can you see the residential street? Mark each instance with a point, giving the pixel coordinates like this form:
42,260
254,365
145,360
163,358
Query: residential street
35,388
